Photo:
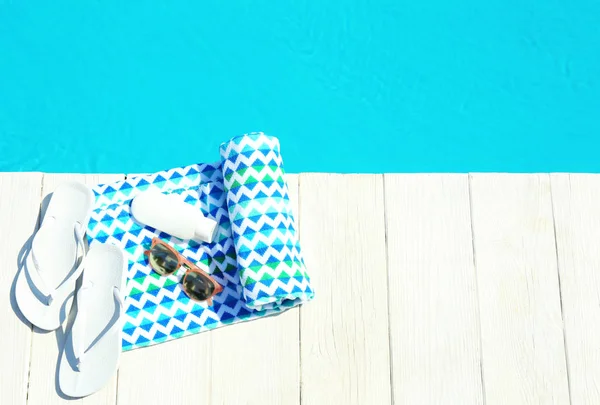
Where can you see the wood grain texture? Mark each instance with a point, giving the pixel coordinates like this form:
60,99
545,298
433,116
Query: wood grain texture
47,346
434,316
20,195
269,346
344,332
521,323
175,372
344,353
576,200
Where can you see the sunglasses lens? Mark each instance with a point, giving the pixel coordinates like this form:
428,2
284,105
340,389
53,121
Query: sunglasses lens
197,286
163,261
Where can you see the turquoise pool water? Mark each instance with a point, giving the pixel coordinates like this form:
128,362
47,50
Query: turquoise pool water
348,86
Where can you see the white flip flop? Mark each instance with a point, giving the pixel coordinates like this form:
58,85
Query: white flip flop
93,345
46,284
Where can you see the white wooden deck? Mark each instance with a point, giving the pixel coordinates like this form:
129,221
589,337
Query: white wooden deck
431,289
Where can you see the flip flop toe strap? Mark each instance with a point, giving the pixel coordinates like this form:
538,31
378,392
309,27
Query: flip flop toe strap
78,331
36,274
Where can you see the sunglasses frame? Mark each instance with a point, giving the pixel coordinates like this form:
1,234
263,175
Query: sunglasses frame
189,266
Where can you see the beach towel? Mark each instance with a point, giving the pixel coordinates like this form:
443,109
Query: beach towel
255,255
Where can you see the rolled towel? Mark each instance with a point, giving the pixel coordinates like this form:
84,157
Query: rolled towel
272,270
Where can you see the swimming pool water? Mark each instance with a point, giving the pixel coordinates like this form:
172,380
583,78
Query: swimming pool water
347,86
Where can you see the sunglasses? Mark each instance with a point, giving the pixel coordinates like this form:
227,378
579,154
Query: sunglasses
197,284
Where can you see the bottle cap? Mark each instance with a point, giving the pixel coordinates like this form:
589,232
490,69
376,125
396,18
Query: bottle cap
205,230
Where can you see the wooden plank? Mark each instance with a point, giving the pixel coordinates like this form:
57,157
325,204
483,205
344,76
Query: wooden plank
47,346
434,315
344,332
576,200
515,258
19,207
176,372
269,347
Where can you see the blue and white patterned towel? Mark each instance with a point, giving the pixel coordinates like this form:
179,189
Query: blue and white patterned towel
267,257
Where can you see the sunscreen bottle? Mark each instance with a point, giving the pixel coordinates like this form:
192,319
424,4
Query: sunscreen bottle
171,214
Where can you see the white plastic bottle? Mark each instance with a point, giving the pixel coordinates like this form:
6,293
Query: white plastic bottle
169,213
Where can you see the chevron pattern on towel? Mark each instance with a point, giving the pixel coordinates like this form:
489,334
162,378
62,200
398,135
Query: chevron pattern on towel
156,308
272,270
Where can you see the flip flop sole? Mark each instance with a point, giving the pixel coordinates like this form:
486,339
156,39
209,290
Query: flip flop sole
71,203
106,268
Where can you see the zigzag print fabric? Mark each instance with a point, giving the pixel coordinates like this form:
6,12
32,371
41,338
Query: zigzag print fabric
272,270
156,308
